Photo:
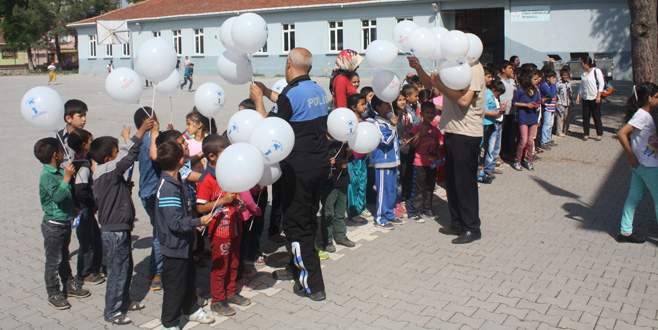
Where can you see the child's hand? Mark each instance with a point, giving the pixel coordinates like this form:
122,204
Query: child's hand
155,130
255,92
125,133
146,126
632,160
229,198
414,63
69,170
205,220
394,120
332,161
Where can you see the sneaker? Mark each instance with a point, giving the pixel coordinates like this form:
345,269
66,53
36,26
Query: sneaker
222,308
156,283
585,138
598,138
323,255
260,261
239,300
367,215
345,242
120,319
530,166
59,301
74,289
330,248
94,278
632,238
419,219
388,226
201,316
552,144
201,301
396,221
517,166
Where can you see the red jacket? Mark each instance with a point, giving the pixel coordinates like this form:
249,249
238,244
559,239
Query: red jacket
342,89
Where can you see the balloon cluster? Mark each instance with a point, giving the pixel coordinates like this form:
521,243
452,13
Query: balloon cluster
241,35
454,50
343,125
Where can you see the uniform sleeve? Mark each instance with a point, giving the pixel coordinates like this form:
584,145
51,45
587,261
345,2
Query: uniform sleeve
284,108
170,207
388,135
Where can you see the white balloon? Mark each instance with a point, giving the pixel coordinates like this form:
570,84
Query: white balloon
279,85
234,67
156,58
438,34
455,75
170,85
341,124
124,85
249,32
239,168
401,34
454,45
225,34
366,139
386,85
274,138
209,99
475,48
43,107
381,54
271,174
440,30
422,42
242,124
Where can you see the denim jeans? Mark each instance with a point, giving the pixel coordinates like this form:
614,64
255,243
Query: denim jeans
90,253
493,148
156,256
641,177
118,252
56,239
547,127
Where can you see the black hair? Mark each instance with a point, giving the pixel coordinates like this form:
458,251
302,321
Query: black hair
414,79
425,95
513,58
498,86
565,69
365,90
45,148
77,138
353,100
102,147
168,135
214,144
408,89
549,74
353,74
169,155
427,106
504,65
141,115
640,98
525,81
394,105
376,102
247,104
74,106
209,126
588,60
488,70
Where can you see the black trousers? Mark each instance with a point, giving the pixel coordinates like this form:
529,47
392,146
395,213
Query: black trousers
56,239
179,285
591,109
484,145
461,181
300,203
407,174
90,253
425,182
275,212
253,230
509,137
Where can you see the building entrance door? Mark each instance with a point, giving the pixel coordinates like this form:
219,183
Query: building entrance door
489,25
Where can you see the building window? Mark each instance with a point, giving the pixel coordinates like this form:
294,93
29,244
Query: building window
264,49
336,36
288,37
178,42
156,34
368,32
400,19
92,45
108,50
198,41
125,49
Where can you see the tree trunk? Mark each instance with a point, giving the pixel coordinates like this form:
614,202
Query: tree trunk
58,50
644,40
30,62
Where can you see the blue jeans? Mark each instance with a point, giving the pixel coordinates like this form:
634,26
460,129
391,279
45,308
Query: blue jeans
641,177
547,127
493,148
156,256
119,260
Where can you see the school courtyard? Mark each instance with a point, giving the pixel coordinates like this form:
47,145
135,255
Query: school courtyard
547,259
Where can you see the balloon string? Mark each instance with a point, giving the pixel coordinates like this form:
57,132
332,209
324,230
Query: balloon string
146,112
61,141
253,79
171,112
339,150
253,218
153,98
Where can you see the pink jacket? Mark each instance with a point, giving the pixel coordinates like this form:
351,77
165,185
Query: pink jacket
251,208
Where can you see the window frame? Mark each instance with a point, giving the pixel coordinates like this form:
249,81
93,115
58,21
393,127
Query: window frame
111,51
370,27
177,38
157,34
199,42
93,45
124,47
337,30
290,32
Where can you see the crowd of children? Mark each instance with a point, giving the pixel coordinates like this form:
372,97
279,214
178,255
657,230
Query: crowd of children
192,216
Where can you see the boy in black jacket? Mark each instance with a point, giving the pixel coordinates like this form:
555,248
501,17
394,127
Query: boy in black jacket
176,234
90,253
116,214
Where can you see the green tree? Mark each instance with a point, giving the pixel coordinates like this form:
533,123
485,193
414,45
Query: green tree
25,25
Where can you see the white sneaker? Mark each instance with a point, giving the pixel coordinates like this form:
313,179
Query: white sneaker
171,328
201,316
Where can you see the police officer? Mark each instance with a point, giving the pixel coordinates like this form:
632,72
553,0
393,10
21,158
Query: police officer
303,104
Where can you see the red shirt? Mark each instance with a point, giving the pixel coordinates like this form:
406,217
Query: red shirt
427,146
208,190
342,89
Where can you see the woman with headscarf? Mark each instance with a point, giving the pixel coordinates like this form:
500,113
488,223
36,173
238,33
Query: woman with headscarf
340,85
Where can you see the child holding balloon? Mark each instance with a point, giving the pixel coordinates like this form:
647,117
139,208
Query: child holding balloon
357,169
527,102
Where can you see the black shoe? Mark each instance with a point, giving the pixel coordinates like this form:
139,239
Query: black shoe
467,237
315,296
282,275
345,242
330,248
359,220
396,221
120,319
298,290
450,231
222,308
94,278
632,238
74,289
59,301
239,300
318,296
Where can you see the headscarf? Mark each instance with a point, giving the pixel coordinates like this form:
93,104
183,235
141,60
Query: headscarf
348,60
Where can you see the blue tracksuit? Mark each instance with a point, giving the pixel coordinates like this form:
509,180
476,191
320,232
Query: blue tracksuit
386,159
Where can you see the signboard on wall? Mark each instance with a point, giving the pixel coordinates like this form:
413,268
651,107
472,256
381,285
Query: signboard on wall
531,13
